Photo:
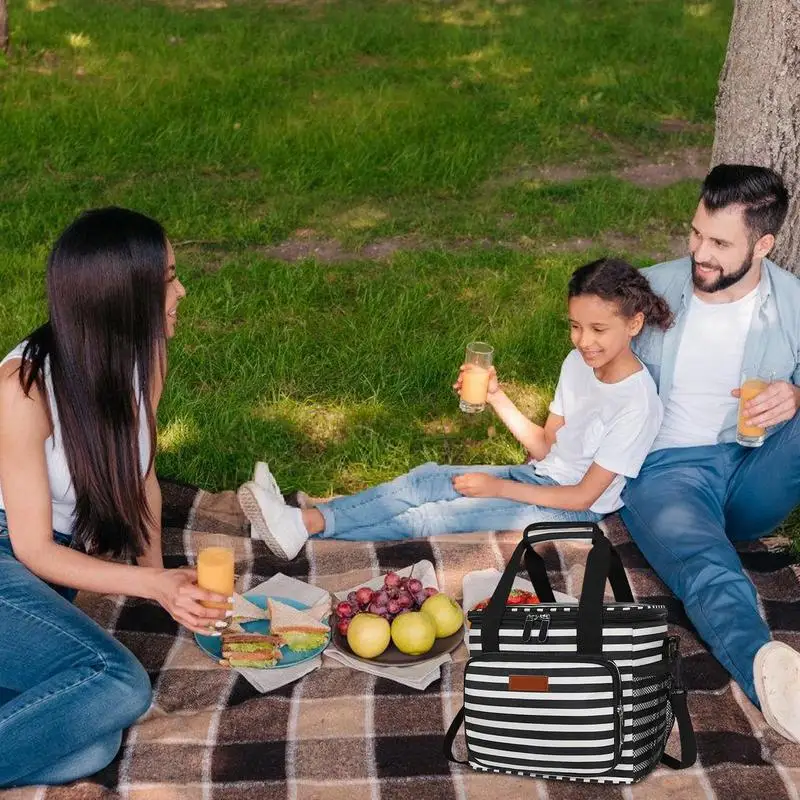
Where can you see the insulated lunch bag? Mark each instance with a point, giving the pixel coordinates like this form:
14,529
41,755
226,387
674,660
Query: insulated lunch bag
578,692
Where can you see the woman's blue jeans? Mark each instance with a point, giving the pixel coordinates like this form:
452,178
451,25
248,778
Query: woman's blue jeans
67,688
424,503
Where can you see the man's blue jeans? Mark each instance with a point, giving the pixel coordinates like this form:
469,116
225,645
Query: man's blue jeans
67,688
685,511
424,503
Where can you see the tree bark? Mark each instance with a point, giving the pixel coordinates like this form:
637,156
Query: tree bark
4,40
758,104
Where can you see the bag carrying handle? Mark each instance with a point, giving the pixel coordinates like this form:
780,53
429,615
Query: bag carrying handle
680,710
537,572
590,606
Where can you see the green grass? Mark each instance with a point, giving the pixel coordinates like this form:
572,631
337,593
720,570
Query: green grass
237,126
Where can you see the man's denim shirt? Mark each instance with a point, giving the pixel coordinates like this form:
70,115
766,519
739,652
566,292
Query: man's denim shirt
772,345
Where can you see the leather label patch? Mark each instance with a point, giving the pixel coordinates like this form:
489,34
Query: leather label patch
528,683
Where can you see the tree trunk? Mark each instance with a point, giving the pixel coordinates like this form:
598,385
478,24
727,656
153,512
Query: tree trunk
4,26
758,104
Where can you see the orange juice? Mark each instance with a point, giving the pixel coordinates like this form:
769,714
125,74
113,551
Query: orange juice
215,572
475,377
750,388
474,385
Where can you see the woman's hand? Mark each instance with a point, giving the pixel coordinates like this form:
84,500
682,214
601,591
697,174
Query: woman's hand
477,484
177,592
494,384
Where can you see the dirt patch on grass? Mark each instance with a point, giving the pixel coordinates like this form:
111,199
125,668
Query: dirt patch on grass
308,245
331,251
619,243
215,5
675,125
690,163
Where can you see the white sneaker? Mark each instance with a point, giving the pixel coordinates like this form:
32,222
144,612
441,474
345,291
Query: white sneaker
265,479
776,673
272,521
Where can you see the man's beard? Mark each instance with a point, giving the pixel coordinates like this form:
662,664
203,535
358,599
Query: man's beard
723,281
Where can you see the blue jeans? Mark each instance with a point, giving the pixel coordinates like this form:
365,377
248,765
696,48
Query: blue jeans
68,689
685,511
424,503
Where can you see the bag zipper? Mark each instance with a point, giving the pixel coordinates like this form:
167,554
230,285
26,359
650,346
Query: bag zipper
543,618
651,614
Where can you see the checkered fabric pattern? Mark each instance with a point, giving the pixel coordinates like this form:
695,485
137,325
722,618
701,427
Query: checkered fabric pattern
338,734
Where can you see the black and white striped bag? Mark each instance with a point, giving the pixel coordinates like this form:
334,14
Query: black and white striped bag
585,692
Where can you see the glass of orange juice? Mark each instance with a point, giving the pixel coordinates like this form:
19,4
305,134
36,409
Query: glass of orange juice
475,377
215,568
752,384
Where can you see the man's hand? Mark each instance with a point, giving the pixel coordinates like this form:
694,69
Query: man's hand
477,484
777,403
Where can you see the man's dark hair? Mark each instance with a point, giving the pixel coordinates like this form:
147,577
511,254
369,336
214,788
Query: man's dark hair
759,189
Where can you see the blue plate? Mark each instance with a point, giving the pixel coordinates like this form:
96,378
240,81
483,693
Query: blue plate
212,645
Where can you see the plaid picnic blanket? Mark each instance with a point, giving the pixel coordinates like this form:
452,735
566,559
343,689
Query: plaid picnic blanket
339,733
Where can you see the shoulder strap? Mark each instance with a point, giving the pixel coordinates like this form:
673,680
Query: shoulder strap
680,709
15,353
450,737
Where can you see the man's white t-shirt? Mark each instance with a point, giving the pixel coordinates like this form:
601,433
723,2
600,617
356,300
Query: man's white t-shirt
612,424
707,366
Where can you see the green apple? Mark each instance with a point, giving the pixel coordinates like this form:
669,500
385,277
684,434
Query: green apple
413,633
445,612
368,635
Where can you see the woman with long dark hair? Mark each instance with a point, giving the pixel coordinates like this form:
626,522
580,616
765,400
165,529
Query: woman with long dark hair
78,400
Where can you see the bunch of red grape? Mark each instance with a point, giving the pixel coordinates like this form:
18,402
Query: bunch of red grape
397,596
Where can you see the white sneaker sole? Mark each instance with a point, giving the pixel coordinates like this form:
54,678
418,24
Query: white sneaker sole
259,528
776,675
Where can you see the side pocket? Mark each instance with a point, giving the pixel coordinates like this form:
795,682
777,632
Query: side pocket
651,718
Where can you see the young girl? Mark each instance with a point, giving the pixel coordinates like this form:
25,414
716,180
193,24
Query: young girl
602,422
77,440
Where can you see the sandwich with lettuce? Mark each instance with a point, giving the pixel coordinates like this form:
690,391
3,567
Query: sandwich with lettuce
252,650
299,630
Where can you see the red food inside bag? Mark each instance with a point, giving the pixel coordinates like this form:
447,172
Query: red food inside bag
517,597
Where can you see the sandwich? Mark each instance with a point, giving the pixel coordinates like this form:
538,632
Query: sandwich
299,630
244,611
250,650
320,609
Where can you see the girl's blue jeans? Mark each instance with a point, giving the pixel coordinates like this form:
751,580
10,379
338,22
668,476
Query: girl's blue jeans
424,503
67,688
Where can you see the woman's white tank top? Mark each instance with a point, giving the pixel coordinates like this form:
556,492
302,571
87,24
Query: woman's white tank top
62,493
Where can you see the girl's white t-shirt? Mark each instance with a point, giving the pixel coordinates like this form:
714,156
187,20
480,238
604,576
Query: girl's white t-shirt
611,424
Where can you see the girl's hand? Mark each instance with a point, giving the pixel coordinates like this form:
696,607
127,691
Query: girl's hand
477,484
494,384
177,593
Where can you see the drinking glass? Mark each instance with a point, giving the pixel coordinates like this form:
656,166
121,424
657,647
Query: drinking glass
752,383
475,377
215,568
